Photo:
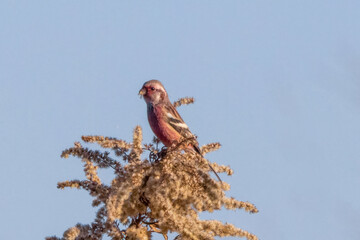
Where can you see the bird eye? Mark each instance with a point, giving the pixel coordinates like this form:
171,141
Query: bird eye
152,88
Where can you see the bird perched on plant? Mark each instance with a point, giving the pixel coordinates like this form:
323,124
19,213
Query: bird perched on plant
164,119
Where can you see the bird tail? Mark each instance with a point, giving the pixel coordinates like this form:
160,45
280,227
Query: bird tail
197,149
215,172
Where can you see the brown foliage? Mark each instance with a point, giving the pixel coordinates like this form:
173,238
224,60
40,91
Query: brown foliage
160,194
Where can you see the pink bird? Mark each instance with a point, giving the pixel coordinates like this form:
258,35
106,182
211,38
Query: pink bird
164,120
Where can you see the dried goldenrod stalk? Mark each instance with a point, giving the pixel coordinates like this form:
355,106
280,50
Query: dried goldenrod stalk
107,142
184,101
210,147
136,150
138,232
71,233
90,171
161,194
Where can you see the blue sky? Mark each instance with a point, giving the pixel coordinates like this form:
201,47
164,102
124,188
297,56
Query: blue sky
276,82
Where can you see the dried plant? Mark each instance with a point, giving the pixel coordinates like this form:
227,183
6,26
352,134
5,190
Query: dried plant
159,194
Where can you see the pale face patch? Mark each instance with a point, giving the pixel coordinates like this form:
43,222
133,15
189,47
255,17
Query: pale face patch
160,88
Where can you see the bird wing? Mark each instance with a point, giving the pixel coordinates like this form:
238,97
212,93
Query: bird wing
174,119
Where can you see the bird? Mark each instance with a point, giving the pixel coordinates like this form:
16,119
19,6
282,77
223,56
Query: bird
164,119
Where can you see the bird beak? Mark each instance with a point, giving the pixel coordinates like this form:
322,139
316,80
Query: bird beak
142,92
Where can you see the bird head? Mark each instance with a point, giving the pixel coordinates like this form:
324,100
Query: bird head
153,92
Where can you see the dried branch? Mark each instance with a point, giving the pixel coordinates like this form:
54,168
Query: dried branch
164,193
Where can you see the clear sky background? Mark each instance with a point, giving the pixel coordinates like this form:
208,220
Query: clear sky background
276,82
